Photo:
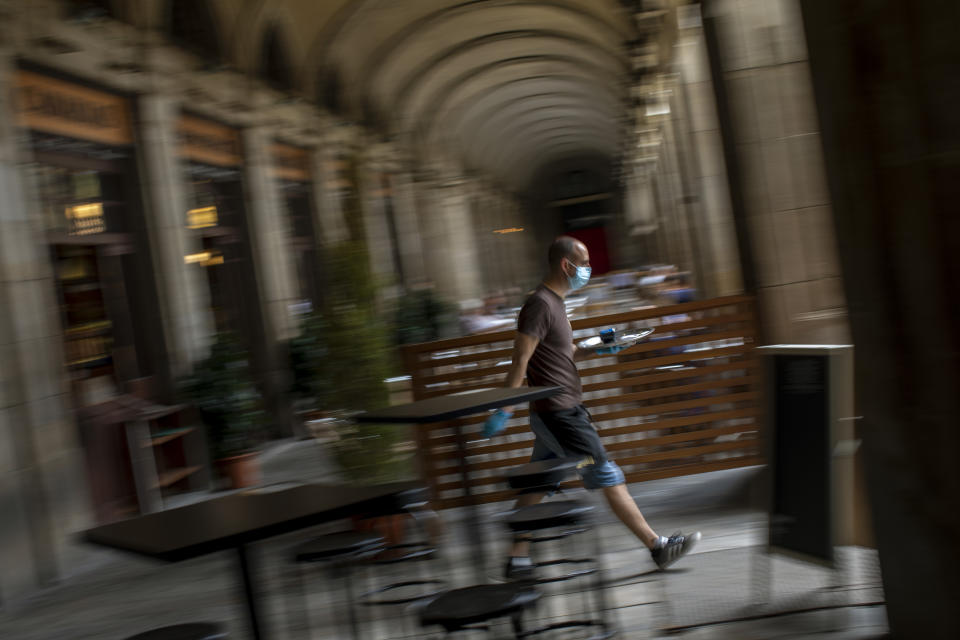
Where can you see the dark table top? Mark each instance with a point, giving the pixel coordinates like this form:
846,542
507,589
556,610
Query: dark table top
241,518
457,405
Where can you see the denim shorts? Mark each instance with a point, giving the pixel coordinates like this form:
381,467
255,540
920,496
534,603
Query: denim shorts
569,433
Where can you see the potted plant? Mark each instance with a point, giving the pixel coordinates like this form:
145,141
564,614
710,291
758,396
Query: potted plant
308,366
356,360
341,360
422,316
231,407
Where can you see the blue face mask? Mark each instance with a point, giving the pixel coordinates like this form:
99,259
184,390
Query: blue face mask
579,279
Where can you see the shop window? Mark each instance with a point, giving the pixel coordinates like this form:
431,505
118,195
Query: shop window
87,328
88,208
79,202
216,215
87,217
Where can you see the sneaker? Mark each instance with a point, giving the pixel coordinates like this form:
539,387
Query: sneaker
675,547
515,572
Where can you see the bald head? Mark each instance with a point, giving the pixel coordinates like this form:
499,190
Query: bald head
566,247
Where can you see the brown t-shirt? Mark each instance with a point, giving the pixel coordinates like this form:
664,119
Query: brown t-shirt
544,317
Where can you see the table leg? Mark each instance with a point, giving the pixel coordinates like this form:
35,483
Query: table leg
474,532
248,591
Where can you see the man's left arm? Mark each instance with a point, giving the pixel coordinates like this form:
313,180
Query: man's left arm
579,353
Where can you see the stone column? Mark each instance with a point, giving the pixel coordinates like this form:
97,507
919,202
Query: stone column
184,296
43,500
512,259
705,196
327,210
429,231
377,227
408,229
275,277
448,240
773,151
490,255
269,237
886,83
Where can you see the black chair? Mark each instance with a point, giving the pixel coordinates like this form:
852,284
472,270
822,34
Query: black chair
472,608
191,631
563,522
340,553
346,551
411,566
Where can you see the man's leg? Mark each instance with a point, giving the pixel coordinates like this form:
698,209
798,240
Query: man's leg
664,551
545,447
625,508
608,477
521,547
601,473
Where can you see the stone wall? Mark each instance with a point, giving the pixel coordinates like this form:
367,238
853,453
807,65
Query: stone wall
42,486
775,137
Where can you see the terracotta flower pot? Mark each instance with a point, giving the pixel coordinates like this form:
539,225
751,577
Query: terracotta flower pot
392,528
242,470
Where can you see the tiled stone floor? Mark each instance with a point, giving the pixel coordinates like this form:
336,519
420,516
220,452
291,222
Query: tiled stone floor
726,589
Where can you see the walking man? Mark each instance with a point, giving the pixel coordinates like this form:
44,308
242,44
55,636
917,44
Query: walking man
544,353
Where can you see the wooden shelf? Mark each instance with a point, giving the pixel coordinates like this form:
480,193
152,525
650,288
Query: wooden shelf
172,476
87,362
79,333
164,437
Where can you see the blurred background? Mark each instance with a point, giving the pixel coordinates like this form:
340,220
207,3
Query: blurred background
225,218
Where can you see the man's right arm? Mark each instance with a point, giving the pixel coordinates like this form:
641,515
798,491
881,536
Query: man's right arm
531,327
523,347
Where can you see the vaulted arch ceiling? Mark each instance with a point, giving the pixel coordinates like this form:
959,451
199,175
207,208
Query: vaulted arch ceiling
494,83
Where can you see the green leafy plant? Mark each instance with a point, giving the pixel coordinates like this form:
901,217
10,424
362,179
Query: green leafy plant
421,316
345,353
340,360
222,388
372,453
358,354
308,363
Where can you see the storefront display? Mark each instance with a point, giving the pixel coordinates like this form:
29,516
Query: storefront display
83,171
212,160
85,179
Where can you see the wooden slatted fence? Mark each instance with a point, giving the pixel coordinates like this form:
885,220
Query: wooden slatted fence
685,401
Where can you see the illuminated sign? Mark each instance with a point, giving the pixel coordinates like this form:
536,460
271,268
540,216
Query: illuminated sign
508,230
204,258
209,142
85,219
67,109
202,218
